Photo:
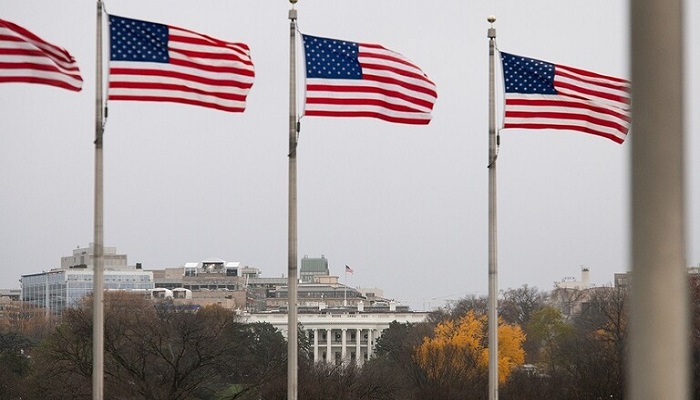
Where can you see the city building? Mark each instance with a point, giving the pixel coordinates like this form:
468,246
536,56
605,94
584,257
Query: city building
231,285
371,294
211,281
10,307
570,282
63,287
342,323
84,258
343,334
624,279
11,294
621,280
325,291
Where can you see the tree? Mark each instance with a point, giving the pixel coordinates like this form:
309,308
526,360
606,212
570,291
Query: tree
28,320
518,305
455,358
548,333
602,339
158,352
260,369
372,381
396,353
14,364
585,355
63,362
478,304
695,331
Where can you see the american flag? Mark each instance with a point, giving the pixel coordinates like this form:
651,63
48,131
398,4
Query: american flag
156,62
542,95
26,58
348,270
347,79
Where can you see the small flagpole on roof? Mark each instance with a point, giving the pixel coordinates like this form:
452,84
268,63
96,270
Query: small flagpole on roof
493,263
292,333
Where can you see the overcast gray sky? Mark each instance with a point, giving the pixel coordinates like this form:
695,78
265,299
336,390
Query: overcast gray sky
404,206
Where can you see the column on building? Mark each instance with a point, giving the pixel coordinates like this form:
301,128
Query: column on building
343,343
315,345
328,346
369,343
358,353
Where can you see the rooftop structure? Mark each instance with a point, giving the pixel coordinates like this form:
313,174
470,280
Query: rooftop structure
312,267
570,282
83,258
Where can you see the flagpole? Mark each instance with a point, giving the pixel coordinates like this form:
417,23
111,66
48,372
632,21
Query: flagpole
659,363
493,264
98,250
292,333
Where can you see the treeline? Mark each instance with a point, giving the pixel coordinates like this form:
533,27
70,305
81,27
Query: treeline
158,352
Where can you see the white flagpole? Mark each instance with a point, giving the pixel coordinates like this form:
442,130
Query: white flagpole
493,263
98,250
292,333
659,362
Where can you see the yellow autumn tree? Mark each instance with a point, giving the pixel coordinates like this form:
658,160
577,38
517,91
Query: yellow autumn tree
510,349
458,349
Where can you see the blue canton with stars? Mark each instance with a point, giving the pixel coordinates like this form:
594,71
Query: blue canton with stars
331,59
527,75
134,40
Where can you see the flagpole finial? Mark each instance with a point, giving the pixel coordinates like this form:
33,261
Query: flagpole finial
492,30
293,11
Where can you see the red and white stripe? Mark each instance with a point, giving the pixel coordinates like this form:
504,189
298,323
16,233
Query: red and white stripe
26,58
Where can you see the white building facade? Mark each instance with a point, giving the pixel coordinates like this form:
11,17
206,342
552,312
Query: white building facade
341,336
